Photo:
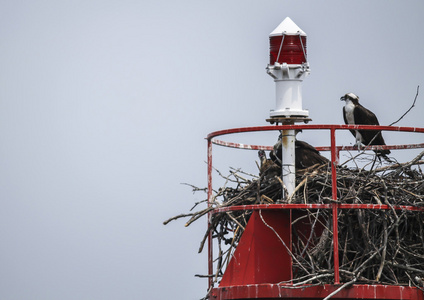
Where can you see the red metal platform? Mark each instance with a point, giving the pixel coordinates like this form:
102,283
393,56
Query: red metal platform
262,262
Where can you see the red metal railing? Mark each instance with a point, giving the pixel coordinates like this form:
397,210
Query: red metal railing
335,150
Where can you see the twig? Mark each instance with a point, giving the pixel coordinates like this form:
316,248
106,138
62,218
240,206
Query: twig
417,158
395,166
249,174
234,219
195,188
403,267
341,288
413,104
383,255
177,217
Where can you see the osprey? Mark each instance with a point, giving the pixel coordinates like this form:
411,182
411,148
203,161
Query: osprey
355,114
268,168
305,155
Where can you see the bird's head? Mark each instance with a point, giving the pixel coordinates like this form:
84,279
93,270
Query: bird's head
350,96
261,154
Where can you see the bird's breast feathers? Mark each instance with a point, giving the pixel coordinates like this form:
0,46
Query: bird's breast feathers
348,110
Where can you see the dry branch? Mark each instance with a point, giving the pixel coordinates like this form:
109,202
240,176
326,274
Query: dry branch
413,104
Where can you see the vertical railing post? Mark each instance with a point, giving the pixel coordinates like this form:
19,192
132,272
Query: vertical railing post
335,205
210,250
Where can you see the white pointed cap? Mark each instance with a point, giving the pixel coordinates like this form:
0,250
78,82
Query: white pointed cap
288,27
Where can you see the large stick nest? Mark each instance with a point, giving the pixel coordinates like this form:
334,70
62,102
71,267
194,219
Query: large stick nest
375,246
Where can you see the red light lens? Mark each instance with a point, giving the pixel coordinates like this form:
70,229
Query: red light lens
291,51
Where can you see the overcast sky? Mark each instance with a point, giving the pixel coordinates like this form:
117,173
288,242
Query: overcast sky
104,107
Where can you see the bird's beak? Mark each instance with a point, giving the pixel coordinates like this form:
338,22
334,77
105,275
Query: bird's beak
343,98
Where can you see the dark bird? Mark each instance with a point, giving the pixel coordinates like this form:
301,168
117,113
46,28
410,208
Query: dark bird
355,114
305,155
268,168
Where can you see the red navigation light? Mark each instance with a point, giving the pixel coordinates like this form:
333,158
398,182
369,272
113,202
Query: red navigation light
290,49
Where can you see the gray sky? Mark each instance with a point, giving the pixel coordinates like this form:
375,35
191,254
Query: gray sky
104,107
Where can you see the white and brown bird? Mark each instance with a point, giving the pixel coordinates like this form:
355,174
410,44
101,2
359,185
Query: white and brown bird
268,168
355,114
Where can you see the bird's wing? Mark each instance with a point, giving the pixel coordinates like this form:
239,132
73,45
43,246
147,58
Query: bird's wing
364,116
276,153
307,156
344,115
306,146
